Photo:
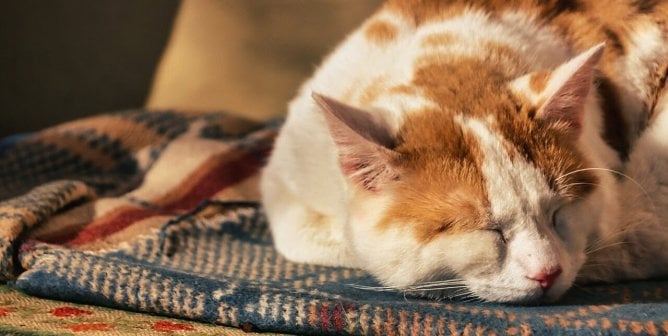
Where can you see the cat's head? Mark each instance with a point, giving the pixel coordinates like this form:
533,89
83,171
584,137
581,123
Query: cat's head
498,205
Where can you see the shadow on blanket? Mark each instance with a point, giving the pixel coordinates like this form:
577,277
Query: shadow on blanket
155,212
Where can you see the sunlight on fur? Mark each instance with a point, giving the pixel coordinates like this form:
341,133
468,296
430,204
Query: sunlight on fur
481,150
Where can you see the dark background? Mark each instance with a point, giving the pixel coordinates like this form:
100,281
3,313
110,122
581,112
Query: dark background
64,59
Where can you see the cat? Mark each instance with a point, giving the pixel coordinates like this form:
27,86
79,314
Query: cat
499,150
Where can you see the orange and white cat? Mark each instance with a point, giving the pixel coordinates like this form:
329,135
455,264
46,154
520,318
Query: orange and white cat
496,149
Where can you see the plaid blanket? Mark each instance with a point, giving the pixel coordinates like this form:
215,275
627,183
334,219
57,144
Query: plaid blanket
156,212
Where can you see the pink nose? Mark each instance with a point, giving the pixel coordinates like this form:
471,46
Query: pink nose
547,279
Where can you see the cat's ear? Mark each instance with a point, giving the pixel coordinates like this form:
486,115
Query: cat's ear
561,95
364,143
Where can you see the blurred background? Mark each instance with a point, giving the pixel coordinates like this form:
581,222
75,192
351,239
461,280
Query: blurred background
66,59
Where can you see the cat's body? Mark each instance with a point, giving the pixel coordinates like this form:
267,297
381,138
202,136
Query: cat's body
461,141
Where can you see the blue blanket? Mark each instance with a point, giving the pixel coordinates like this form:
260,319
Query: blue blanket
156,212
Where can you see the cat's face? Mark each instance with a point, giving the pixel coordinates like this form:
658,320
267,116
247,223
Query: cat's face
486,216
496,204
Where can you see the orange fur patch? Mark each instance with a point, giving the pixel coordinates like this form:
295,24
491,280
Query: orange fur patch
380,32
538,81
405,89
505,58
549,148
441,189
372,91
439,39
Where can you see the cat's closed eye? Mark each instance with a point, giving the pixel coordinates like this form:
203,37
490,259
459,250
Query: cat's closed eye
443,227
499,233
556,218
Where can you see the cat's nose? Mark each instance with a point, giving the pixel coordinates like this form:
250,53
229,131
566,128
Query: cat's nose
546,278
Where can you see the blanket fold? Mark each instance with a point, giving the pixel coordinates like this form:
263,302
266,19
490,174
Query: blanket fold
157,212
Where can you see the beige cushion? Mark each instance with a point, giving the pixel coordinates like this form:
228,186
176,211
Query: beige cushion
249,56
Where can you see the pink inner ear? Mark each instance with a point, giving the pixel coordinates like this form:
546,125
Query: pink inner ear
568,104
573,81
361,122
363,141
371,172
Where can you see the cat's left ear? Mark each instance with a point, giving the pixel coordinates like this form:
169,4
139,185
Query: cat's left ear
560,95
364,143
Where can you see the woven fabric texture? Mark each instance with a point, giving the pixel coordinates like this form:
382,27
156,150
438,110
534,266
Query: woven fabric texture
21,314
156,212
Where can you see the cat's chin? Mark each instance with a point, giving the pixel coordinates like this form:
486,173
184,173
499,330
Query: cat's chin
523,297
485,292
529,295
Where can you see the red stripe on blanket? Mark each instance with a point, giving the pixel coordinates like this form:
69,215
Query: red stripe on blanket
219,176
324,316
339,316
110,224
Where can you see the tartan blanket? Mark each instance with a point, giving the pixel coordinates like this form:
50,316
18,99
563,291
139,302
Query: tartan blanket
157,212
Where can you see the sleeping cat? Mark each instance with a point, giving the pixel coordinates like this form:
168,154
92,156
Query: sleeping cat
501,150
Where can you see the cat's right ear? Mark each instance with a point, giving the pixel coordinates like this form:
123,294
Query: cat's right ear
364,144
560,95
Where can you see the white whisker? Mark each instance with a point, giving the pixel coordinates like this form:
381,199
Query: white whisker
436,284
433,289
616,172
603,247
375,288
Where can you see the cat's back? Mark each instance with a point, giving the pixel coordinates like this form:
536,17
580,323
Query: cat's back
377,66
392,66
